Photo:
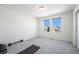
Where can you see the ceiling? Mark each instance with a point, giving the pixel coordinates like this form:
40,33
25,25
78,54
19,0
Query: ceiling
33,9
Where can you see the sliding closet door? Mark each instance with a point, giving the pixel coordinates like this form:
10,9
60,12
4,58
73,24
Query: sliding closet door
77,29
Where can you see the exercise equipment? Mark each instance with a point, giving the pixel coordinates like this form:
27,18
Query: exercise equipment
30,50
10,44
3,49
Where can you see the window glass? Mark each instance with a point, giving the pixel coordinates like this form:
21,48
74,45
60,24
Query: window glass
56,24
47,25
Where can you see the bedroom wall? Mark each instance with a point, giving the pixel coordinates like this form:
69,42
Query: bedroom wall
66,33
15,26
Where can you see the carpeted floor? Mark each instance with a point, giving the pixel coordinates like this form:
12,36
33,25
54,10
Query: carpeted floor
47,46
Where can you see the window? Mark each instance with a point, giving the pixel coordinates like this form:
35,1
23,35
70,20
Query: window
55,25
47,25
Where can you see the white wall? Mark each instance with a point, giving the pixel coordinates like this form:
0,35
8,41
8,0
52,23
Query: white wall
74,25
15,26
66,33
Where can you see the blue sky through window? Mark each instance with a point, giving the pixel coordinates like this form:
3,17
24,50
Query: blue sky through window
56,22
47,23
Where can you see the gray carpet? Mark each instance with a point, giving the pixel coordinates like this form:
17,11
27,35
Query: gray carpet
47,46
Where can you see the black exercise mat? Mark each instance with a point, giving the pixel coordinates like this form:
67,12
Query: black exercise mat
30,50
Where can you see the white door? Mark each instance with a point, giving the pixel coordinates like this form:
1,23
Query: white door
78,29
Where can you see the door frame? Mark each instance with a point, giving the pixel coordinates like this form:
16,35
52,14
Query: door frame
76,26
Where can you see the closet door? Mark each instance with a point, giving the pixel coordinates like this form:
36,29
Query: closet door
77,29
